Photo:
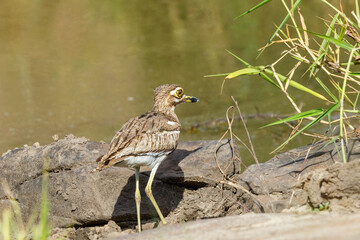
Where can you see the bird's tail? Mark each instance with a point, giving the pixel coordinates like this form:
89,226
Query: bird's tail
100,165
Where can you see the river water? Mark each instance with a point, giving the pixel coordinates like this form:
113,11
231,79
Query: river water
85,67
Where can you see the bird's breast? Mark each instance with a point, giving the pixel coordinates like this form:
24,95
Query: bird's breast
165,140
148,147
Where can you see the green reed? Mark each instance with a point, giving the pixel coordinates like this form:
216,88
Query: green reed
330,59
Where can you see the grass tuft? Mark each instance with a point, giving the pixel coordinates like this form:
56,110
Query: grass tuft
12,225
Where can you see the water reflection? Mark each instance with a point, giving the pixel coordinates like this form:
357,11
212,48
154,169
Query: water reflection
85,67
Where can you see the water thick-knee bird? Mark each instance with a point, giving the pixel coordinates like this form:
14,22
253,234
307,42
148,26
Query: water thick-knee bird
146,140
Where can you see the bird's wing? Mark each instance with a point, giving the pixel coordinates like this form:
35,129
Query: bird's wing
150,132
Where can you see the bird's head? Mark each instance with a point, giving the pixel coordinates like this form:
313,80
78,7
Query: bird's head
167,96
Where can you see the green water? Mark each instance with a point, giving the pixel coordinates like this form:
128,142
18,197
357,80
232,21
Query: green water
85,67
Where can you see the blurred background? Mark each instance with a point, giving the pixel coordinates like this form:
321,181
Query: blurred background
85,67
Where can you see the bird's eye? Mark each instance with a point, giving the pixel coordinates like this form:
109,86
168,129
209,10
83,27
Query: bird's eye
179,93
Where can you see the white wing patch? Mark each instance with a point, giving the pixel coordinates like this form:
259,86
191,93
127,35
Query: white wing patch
171,123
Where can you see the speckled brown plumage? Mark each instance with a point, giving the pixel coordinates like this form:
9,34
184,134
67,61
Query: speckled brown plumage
148,133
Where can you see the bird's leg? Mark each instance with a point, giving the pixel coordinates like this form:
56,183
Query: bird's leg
148,192
137,197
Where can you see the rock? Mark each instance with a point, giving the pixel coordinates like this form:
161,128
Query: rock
188,186
337,186
93,233
78,198
259,226
193,164
282,171
62,233
274,182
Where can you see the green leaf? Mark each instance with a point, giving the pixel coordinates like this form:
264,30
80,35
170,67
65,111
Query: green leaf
332,40
245,71
310,113
217,75
254,8
309,125
294,84
267,78
263,72
308,90
333,140
326,88
324,46
238,58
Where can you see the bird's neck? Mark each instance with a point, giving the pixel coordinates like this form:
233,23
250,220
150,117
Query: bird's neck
167,110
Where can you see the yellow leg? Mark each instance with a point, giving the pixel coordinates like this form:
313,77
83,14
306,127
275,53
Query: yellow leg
137,198
148,192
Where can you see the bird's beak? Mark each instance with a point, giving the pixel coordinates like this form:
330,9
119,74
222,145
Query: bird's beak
190,99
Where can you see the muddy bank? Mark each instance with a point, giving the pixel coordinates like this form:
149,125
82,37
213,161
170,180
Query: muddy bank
187,187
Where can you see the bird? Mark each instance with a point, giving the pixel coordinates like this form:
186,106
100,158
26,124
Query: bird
147,140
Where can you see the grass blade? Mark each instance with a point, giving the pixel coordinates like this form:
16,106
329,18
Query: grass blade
296,4
310,113
217,75
5,225
264,72
324,46
254,8
326,89
238,58
244,71
295,84
41,231
335,41
267,78
309,125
